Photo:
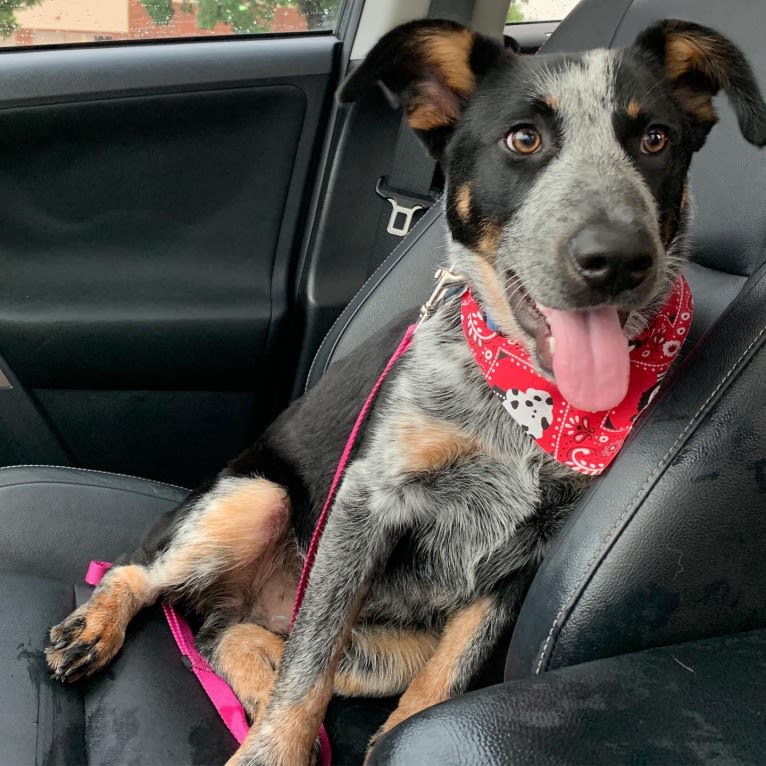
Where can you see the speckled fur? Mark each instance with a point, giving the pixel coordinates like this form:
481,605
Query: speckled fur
447,507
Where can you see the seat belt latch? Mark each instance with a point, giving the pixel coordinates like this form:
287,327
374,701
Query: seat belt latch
403,207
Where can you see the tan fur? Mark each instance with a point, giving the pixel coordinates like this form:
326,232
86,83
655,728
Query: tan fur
428,444
495,301
551,100
633,108
248,656
233,531
425,115
397,656
291,731
684,53
123,593
489,239
685,196
434,683
698,104
448,54
463,201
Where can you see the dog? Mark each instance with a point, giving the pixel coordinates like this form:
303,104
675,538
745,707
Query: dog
567,203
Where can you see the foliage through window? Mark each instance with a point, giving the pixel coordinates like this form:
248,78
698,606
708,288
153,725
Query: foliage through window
49,22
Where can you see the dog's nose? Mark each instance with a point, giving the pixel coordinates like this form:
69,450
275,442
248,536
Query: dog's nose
612,257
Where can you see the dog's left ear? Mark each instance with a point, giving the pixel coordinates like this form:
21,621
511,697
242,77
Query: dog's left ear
699,62
430,68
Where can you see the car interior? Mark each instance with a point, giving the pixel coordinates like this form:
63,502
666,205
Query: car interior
193,232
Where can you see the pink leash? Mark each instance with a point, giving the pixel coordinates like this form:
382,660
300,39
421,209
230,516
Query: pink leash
344,458
223,698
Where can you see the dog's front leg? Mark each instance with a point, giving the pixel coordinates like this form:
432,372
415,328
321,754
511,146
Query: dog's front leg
468,637
354,544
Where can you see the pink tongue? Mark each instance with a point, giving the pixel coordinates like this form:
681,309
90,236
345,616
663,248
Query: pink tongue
590,357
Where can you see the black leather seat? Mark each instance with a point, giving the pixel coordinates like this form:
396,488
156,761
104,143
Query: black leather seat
665,552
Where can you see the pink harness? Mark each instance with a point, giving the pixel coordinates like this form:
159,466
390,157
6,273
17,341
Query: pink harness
220,693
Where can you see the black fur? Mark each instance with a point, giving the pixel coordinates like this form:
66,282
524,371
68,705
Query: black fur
422,539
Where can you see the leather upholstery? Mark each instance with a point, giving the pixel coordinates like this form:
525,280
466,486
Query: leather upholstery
669,544
666,547
147,707
52,522
399,285
679,705
664,550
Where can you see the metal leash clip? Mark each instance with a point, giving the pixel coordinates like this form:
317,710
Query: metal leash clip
446,279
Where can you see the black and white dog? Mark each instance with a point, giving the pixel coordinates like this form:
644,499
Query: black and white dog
567,204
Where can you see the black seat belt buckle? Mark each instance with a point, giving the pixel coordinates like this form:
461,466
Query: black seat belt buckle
404,205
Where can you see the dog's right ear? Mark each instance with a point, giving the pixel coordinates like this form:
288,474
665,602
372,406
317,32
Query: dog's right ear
430,68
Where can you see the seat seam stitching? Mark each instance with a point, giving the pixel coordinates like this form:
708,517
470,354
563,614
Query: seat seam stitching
96,471
631,506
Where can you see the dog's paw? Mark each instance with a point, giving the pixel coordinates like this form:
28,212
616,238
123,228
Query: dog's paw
83,643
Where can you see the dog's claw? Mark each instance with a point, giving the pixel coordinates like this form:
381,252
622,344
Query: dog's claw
78,648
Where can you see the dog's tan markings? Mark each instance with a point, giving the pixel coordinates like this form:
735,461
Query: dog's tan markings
448,55
550,100
493,295
633,109
435,682
463,201
668,225
428,444
489,238
237,527
381,661
248,656
687,52
89,637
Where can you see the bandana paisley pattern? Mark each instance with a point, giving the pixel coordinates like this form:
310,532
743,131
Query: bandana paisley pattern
586,442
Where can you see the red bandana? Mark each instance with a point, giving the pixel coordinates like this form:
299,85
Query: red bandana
585,441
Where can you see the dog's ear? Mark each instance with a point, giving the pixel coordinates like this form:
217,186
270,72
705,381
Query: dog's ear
430,68
699,62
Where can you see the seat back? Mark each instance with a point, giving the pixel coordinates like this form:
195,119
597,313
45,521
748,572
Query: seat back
669,544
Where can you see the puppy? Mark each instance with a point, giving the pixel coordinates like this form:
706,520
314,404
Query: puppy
567,204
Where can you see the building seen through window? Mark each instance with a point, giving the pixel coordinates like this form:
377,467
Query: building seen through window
67,22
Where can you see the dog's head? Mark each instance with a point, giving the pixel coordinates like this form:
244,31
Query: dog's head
566,176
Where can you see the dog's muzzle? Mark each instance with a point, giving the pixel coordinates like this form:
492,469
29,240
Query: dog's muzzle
611,257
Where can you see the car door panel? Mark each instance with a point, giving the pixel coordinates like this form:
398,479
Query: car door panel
153,196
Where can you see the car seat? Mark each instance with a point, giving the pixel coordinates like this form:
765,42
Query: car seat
642,636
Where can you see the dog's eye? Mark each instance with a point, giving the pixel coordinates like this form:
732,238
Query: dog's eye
654,140
523,139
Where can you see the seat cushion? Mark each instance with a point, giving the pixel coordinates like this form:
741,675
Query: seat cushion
146,707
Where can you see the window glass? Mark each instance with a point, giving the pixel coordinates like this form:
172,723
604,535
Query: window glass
539,10
50,22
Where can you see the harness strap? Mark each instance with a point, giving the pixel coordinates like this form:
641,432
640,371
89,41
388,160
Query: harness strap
220,693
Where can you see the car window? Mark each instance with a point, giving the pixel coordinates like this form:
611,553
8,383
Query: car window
68,22
525,11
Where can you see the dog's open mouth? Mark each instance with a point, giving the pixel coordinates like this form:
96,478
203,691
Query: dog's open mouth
585,349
